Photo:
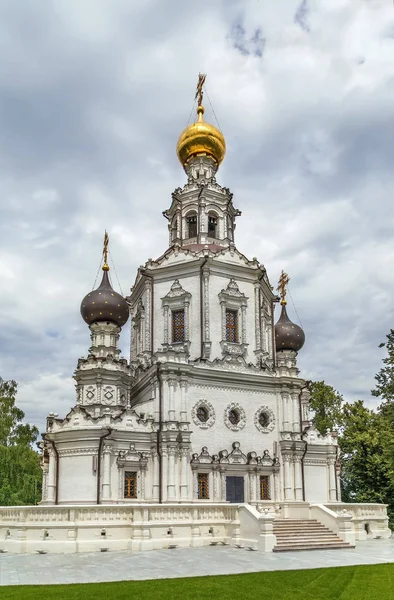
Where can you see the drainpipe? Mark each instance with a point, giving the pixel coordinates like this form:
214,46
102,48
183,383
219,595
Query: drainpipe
159,453
202,308
99,463
306,386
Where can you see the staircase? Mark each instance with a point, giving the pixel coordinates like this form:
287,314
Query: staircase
296,534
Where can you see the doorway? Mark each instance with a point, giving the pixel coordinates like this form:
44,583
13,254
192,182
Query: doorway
235,489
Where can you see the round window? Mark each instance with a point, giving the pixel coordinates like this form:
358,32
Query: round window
264,419
234,416
202,414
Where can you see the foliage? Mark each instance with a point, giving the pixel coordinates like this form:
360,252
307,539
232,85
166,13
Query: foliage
366,475
362,582
325,402
366,441
20,472
385,378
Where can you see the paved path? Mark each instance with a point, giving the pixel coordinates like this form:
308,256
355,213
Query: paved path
185,562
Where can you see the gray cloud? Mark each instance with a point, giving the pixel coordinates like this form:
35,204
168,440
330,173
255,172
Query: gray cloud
93,96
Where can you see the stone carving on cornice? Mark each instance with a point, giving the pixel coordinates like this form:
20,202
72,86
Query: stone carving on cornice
176,291
235,406
235,457
77,452
232,290
211,414
231,388
264,411
228,363
132,456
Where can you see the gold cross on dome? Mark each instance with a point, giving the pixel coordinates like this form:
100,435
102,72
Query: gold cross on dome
105,251
199,93
282,285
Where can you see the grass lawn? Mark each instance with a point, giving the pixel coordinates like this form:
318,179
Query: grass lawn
366,582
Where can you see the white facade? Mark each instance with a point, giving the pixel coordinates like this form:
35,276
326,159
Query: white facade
214,414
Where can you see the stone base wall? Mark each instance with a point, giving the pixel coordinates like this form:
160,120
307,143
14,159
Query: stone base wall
103,528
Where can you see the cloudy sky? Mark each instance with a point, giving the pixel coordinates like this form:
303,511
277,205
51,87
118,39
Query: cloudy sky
93,96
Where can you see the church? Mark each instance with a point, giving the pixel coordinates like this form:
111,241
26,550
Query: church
210,412
210,406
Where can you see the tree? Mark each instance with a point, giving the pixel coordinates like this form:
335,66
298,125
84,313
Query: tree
365,475
20,472
385,378
326,403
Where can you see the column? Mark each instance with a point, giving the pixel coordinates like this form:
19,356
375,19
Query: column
331,480
171,400
243,315
148,307
286,410
288,484
296,413
183,386
171,495
166,320
106,487
164,470
297,477
51,498
257,320
184,474
275,494
155,477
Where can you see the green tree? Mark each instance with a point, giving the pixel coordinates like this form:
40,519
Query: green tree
385,378
365,473
326,403
20,472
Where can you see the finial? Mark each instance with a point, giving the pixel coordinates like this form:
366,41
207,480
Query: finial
105,251
282,284
199,93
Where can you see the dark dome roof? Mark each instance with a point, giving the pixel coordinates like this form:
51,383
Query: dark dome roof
104,304
288,335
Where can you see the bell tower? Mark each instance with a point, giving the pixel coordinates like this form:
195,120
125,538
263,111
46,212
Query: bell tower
202,212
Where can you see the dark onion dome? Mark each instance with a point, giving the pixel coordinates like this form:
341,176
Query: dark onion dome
104,304
288,335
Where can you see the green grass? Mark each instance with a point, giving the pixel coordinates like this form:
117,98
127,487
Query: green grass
367,582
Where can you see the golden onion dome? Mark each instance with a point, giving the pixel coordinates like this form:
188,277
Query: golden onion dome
201,138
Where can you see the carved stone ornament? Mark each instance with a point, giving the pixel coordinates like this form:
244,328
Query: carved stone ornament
199,410
235,457
230,411
264,419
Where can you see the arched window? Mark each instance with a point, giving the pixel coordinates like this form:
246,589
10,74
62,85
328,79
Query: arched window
191,221
212,225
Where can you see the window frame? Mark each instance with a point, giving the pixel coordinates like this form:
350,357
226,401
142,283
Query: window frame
202,480
234,327
130,475
177,328
265,487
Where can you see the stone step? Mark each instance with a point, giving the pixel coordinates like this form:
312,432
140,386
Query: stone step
293,548
292,538
294,534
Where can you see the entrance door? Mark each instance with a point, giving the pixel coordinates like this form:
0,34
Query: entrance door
235,489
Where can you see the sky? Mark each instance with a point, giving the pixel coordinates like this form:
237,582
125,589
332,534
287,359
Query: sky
93,97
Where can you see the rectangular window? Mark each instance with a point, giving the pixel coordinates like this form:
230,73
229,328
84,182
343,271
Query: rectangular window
265,487
232,326
178,326
203,486
130,484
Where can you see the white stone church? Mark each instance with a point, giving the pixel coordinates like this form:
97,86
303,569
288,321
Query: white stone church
203,435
